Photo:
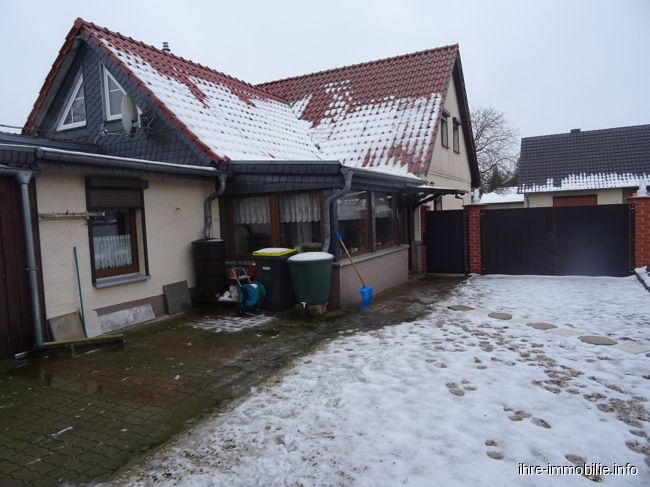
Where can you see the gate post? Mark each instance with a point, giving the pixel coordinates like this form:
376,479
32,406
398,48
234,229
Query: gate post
473,213
641,230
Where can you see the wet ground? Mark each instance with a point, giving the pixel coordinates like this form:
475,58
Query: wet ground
82,418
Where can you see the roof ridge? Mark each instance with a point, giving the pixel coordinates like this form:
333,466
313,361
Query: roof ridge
80,22
355,65
609,129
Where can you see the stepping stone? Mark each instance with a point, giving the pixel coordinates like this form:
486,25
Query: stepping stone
460,307
500,316
541,326
632,347
564,332
596,340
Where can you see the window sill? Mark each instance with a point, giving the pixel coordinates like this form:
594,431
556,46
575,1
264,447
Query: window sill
119,280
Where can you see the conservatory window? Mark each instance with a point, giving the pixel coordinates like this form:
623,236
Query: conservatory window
300,219
251,219
353,212
74,113
385,220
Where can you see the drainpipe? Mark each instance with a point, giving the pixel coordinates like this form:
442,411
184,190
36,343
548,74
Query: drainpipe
23,178
347,174
207,206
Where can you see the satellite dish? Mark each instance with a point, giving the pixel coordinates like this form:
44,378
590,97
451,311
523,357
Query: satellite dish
130,117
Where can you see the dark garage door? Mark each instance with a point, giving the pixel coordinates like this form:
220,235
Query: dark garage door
580,240
446,243
16,334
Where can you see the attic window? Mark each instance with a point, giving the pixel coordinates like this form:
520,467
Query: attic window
74,113
456,135
113,94
444,131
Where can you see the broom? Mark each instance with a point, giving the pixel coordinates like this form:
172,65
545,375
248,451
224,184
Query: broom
366,291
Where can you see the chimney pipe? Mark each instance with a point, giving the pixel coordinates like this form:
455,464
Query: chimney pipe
166,47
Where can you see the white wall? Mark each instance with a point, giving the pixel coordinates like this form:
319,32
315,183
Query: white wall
174,217
449,169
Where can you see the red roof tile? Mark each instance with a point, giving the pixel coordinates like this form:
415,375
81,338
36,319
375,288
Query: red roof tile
382,114
392,104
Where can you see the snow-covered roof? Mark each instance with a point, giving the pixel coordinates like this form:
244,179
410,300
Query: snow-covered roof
589,181
503,195
594,159
381,115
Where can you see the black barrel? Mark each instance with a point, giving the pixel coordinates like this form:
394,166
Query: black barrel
209,268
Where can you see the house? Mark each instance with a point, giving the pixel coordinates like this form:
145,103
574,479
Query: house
502,198
131,153
594,167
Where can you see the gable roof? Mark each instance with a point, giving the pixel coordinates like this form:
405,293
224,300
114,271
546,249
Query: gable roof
225,117
378,114
594,159
381,115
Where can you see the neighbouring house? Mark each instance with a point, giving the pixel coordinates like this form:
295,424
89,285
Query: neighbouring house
594,167
501,198
132,153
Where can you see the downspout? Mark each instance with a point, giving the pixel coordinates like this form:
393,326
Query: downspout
23,178
207,206
347,174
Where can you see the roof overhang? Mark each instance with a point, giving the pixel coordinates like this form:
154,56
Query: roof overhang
38,157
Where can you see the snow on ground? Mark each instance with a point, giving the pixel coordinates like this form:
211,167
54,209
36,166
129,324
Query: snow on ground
452,399
644,275
610,306
232,324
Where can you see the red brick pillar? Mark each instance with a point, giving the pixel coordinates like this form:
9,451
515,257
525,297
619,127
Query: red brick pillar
474,236
641,230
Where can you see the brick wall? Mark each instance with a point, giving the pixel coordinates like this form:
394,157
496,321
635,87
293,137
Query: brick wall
474,236
641,230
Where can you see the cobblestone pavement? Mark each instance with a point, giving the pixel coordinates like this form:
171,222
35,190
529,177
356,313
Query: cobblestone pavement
81,418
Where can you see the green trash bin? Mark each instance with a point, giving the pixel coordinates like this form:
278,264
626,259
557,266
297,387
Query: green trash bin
311,274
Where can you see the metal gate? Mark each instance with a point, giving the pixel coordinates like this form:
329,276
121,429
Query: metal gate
446,242
579,240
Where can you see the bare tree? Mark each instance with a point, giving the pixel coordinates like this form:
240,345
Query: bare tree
497,147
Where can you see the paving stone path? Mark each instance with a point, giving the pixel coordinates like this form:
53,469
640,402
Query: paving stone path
74,420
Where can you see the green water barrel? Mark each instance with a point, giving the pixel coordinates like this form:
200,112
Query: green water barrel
311,274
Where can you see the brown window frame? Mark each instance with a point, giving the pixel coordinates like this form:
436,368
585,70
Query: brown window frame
394,200
274,214
370,224
444,130
132,268
133,205
456,135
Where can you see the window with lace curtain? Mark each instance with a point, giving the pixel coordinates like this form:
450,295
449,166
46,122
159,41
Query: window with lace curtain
276,220
300,219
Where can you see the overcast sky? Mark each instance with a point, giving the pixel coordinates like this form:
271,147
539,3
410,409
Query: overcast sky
550,65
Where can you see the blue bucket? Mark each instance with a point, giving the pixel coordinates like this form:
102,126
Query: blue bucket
366,296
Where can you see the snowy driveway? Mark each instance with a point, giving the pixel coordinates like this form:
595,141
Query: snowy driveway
455,398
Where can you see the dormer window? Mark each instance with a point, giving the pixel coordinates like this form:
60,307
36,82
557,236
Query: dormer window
74,112
113,94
